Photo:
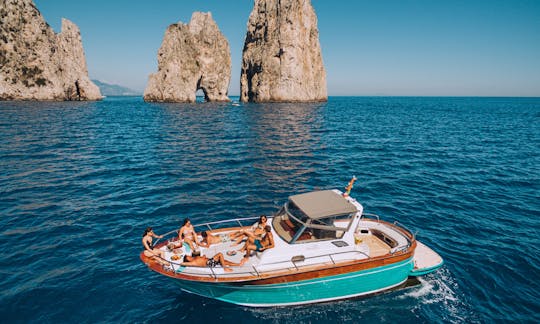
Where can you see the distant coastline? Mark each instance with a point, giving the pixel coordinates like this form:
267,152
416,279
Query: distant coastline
115,90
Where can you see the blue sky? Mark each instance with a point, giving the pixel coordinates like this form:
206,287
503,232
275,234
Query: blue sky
400,48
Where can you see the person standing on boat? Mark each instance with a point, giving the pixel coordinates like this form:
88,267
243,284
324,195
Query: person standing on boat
187,234
149,250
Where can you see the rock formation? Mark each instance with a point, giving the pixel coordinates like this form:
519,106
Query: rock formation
282,58
36,63
192,57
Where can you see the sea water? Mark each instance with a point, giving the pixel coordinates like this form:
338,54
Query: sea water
80,181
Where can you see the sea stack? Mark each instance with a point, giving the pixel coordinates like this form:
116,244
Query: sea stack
282,59
192,57
35,62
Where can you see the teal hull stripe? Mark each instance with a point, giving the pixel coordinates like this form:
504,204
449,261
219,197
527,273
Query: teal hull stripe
307,291
320,280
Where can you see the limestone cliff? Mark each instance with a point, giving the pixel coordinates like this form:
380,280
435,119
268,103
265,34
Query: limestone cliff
192,57
282,58
36,63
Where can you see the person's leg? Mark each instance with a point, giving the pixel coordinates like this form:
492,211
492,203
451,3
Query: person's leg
249,248
190,242
239,239
224,263
157,255
249,245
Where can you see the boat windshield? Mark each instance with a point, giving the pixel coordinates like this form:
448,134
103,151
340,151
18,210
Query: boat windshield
294,226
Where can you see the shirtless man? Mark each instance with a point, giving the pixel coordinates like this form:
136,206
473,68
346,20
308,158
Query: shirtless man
202,261
259,245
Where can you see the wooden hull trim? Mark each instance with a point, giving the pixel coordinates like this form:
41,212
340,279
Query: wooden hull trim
306,273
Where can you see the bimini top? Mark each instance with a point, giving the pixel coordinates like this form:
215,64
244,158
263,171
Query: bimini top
322,204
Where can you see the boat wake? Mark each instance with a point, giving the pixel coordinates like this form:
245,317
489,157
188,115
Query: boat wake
440,293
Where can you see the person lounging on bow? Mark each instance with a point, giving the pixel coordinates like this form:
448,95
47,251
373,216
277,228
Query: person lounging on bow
255,244
208,239
256,230
186,233
202,261
149,250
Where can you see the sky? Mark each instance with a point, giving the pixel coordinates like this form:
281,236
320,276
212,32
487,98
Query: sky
370,48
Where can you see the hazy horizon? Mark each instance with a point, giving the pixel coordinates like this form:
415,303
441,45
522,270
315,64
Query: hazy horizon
390,48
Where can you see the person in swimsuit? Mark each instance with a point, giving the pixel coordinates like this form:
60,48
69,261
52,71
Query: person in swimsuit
149,250
187,234
202,261
259,245
255,231
209,239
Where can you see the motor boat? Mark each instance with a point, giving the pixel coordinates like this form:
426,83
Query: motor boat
325,249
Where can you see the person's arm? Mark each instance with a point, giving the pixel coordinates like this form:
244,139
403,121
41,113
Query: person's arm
205,243
254,227
193,234
271,239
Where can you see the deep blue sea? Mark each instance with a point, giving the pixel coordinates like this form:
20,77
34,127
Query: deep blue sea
80,181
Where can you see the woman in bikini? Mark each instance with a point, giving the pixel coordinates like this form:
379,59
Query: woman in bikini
149,250
255,231
187,234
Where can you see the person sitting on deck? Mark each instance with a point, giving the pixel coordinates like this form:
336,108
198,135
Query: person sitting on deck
186,233
256,230
259,245
209,239
202,261
149,250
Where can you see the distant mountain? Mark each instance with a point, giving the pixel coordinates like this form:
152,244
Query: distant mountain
115,90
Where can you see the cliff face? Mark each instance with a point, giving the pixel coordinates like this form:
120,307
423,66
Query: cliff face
282,58
36,63
193,56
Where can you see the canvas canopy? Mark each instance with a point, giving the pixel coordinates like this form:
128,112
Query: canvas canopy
322,204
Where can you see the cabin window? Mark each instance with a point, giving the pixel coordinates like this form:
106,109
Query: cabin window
292,224
297,213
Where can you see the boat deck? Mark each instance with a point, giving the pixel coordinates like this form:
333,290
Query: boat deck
369,245
425,260
376,246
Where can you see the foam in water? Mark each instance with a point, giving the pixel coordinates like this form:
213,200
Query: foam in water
439,288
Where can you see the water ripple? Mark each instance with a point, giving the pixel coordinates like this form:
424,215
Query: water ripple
80,181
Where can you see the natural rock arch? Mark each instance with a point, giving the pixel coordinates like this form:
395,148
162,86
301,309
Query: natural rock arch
192,57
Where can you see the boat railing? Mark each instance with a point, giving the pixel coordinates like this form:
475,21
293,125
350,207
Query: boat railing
241,222
410,236
402,227
259,272
396,225
371,216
